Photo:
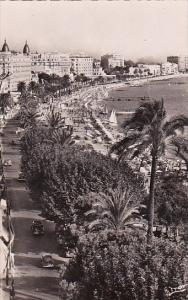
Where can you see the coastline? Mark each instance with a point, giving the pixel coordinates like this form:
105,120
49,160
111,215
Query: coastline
144,80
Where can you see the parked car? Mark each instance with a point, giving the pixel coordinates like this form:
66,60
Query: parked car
12,143
7,163
21,177
47,261
19,130
37,228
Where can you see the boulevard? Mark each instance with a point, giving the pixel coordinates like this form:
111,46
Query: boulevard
30,280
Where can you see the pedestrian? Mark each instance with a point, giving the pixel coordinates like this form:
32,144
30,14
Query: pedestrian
12,290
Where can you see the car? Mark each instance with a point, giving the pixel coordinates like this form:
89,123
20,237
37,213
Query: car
47,261
12,143
7,163
19,130
37,228
21,177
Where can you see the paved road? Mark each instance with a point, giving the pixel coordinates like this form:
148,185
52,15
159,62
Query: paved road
31,281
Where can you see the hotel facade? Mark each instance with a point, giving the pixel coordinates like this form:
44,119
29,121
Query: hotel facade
51,63
14,67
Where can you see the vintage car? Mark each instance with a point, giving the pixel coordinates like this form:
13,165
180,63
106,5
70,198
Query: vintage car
7,163
37,228
21,177
47,261
12,143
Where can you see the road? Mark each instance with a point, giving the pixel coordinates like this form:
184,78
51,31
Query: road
31,281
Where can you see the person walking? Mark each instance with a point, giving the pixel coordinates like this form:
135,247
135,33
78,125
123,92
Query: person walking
12,290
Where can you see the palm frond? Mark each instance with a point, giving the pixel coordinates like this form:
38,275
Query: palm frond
176,122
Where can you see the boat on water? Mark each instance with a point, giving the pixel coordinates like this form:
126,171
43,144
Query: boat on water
136,84
113,119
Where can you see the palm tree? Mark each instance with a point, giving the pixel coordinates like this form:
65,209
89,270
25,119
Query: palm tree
147,129
55,120
28,118
34,87
181,148
114,211
62,136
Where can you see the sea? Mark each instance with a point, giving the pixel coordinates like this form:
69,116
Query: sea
126,99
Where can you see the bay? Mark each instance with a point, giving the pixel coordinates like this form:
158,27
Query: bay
173,91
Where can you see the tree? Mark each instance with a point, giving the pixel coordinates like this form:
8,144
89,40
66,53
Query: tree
21,87
63,136
28,118
171,202
111,266
55,169
66,80
181,148
34,87
5,101
147,129
55,120
116,210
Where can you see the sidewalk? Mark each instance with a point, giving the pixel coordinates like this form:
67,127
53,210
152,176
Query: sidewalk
4,295
23,294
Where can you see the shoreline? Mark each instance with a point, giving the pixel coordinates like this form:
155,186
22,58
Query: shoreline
144,80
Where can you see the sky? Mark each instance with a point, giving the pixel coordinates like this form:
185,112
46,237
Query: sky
134,29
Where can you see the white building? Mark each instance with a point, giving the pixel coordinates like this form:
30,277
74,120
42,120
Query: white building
15,67
51,63
153,70
168,68
82,64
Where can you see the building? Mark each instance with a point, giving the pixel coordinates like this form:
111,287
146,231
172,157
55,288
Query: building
51,63
144,70
82,64
153,69
15,67
97,69
183,64
181,61
110,61
168,68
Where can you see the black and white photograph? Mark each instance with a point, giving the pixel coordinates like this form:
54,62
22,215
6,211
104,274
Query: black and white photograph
94,150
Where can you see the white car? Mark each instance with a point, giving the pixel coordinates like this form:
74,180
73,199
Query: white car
8,163
47,261
19,130
21,177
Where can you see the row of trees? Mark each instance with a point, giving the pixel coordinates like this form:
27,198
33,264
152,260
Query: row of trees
98,204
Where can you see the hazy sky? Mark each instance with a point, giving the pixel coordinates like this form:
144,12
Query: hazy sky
132,28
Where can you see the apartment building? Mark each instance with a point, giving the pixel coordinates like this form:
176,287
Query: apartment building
82,64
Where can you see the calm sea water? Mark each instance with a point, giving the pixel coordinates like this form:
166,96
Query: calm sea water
173,91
